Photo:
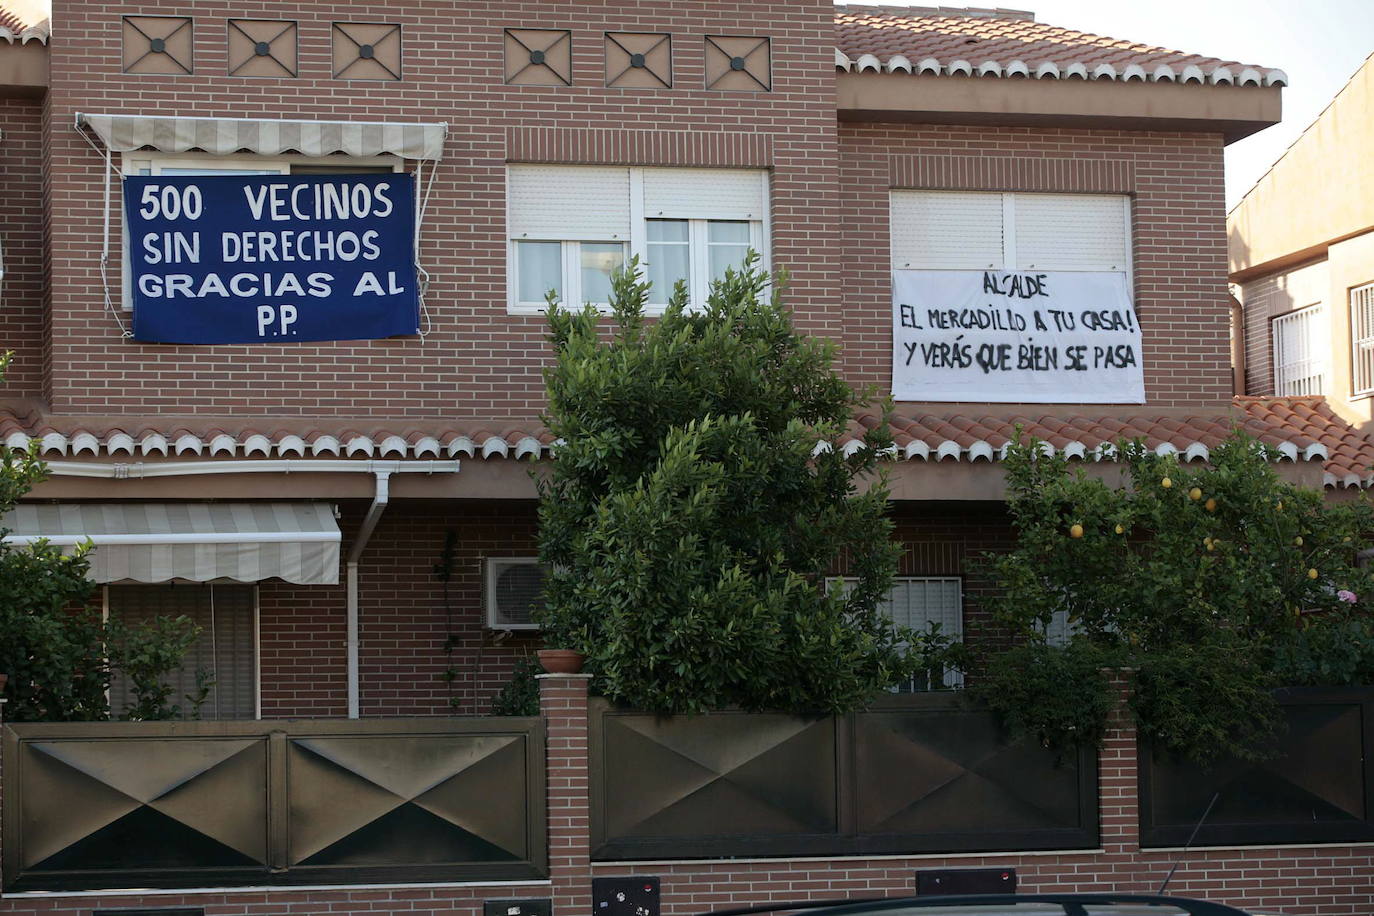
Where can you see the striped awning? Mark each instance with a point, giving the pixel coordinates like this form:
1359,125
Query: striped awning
122,133
199,542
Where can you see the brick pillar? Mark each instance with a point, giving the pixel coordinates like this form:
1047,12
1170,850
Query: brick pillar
1118,775
563,705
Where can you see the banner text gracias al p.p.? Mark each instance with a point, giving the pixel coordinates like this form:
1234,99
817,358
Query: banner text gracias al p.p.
271,258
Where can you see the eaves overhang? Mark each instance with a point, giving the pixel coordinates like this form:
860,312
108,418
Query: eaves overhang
1232,111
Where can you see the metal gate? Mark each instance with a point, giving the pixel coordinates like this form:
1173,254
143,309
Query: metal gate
177,804
917,773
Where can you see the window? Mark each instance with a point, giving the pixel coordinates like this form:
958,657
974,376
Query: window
1362,339
918,602
1300,348
978,230
192,164
572,226
226,649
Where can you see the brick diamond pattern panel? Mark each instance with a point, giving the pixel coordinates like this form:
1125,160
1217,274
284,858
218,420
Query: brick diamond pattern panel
158,44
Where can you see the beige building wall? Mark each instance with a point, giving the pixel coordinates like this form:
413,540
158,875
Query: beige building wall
1305,235
1321,190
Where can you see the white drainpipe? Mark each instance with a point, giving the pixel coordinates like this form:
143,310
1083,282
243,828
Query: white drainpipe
374,513
382,470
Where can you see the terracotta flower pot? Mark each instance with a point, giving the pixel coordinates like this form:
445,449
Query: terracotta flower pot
561,661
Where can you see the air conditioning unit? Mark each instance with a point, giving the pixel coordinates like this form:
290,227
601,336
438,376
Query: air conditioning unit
514,586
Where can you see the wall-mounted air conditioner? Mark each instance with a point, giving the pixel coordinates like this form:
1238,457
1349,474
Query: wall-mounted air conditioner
512,589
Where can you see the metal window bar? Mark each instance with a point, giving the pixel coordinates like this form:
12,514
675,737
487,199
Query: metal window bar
1362,338
1299,352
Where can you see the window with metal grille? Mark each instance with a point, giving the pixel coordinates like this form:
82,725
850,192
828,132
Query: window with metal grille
1300,350
226,649
917,603
1362,339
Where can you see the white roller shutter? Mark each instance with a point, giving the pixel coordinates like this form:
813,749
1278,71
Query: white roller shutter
1071,232
946,230
704,194
569,202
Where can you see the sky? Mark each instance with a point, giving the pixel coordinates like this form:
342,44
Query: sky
1318,43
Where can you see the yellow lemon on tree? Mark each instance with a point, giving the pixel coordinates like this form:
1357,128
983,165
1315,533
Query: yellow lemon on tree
1120,530
1211,544
1297,541
1076,531
1195,494
1279,505
1210,505
1311,574
1166,483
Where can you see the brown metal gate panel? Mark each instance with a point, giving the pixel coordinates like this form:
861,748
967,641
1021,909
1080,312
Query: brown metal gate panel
174,804
915,774
1318,789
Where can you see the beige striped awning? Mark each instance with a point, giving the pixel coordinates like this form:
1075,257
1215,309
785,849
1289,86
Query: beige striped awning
199,542
122,133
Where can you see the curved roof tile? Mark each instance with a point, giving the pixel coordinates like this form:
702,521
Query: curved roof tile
1010,42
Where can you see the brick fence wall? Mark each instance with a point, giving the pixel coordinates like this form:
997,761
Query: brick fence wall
1296,880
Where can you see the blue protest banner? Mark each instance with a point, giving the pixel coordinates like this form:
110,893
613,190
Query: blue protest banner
271,258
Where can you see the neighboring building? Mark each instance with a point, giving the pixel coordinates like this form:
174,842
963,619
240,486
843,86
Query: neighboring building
859,147
1302,258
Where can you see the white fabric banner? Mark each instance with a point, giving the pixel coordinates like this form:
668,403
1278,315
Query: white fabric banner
1045,338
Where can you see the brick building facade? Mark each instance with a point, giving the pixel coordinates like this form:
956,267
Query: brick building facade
429,439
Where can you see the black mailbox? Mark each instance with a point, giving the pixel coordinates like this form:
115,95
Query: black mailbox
633,896
939,882
534,906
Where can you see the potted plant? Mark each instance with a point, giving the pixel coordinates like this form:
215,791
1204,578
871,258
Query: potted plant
563,640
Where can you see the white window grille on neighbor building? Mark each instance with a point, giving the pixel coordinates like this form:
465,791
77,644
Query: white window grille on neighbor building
1362,339
1300,347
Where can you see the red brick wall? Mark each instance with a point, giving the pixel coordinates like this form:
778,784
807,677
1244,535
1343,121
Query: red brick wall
403,624
1179,232
477,361
21,234
829,222
404,627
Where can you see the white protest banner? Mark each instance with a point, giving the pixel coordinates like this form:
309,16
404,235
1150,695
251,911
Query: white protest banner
970,335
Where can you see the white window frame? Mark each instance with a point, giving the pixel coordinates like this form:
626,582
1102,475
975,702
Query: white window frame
257,630
133,164
760,234
1010,255
570,257
1358,344
1317,354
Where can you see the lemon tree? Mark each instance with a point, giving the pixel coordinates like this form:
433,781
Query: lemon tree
1207,580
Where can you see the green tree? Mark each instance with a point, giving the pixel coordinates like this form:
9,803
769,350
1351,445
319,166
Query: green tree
1210,582
53,645
688,523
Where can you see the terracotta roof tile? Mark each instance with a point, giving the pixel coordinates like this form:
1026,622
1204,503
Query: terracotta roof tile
1304,428
996,42
1310,422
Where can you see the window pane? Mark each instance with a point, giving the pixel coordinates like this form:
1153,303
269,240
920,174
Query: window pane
224,650
208,171
599,260
736,231
540,265
723,256
668,263
667,230
299,169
